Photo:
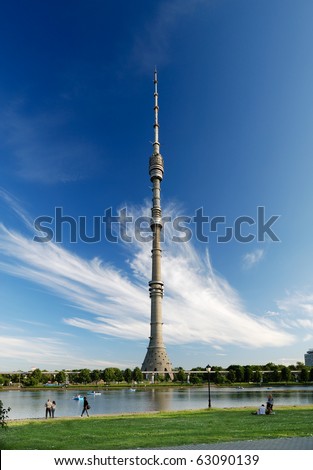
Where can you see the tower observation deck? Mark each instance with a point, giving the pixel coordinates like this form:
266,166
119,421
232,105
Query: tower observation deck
156,357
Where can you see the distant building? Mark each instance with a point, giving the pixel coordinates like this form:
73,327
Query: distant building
308,358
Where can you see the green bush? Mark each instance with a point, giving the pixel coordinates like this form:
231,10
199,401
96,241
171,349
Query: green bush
4,414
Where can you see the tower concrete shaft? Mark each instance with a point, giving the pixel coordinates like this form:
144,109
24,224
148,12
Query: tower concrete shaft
156,358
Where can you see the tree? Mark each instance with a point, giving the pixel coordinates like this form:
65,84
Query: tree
60,377
48,377
109,375
219,378
35,377
181,375
118,374
16,378
248,374
285,374
7,381
95,376
84,376
274,375
304,374
238,372
127,375
231,376
4,414
257,375
137,375
195,379
75,378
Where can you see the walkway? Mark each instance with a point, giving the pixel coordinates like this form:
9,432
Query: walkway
290,443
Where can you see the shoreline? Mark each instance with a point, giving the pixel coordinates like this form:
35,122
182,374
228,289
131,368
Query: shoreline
104,388
150,413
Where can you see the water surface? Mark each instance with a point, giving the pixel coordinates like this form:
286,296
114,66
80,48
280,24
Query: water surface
30,403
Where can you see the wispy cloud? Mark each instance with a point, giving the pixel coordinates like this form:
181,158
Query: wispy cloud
199,305
252,258
14,204
14,348
298,301
43,352
38,155
270,313
151,46
297,309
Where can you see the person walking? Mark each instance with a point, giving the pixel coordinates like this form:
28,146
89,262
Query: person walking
86,407
53,407
48,406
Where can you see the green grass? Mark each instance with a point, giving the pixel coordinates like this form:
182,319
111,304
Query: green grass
156,430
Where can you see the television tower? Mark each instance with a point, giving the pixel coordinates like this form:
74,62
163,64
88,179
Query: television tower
156,358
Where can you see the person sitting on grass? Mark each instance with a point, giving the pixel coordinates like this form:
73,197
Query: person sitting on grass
260,411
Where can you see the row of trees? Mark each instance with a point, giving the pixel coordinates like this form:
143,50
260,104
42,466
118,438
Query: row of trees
268,373
264,374
82,376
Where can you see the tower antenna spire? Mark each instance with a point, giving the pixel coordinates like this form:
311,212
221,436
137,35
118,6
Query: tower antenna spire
156,360
156,144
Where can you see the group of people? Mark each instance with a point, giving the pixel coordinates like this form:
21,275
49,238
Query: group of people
269,407
50,408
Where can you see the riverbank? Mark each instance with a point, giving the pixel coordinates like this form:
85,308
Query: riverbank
140,385
161,385
153,430
30,403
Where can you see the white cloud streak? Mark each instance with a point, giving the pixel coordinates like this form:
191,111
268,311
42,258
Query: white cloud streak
297,308
151,46
199,305
38,156
42,352
14,348
252,258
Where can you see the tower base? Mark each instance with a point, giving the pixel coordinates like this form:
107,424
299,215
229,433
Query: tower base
157,361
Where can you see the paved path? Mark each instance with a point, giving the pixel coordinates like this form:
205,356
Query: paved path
290,443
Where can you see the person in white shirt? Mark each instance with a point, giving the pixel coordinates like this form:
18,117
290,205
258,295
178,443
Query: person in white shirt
261,410
48,406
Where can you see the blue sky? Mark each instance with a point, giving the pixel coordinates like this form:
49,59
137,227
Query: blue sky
76,126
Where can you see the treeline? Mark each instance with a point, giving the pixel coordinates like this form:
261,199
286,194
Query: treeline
268,373
79,376
234,374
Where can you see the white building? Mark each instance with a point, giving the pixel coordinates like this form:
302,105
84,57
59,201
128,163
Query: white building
308,358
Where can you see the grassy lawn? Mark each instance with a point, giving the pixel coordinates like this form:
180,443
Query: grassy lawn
156,430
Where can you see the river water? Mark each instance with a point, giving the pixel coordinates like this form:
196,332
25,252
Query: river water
30,403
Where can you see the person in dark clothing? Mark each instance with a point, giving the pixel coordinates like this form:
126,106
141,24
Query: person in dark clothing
53,407
269,404
85,407
48,406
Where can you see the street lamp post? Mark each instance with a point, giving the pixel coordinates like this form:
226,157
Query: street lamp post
208,368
